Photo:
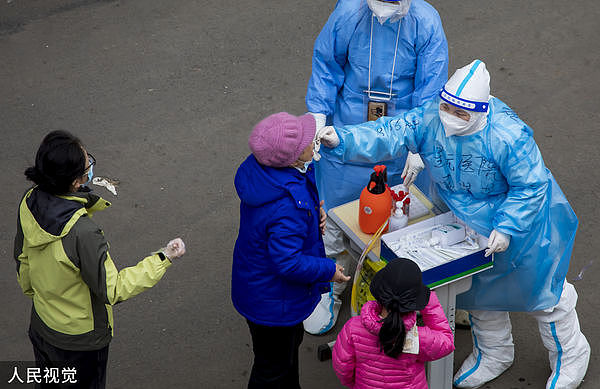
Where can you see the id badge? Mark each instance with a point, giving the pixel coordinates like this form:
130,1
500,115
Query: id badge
376,109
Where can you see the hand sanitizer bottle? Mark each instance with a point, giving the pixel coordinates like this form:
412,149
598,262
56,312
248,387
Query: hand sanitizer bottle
398,219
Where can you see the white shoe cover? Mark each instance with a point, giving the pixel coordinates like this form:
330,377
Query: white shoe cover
493,349
568,349
324,316
572,369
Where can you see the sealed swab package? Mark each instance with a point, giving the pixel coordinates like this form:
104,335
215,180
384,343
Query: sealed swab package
447,234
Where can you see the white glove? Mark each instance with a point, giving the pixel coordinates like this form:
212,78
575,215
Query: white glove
497,243
413,166
320,120
174,249
328,137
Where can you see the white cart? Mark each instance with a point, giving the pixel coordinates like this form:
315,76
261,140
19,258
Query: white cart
440,372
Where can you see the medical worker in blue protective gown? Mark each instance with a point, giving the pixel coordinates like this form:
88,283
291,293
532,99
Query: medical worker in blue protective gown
372,58
489,171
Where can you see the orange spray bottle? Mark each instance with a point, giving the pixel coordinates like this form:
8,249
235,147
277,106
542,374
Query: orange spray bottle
375,204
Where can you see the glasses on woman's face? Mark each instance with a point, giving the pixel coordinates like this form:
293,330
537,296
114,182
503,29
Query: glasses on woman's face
92,162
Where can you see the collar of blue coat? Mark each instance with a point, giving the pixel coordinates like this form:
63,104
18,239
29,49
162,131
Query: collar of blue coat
475,106
258,184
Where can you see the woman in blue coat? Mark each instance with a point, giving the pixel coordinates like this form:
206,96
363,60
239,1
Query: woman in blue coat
279,264
372,58
488,169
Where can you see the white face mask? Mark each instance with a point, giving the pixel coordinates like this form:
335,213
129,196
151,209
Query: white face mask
384,10
456,126
303,168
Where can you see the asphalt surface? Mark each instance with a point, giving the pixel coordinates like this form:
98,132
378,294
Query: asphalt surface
164,94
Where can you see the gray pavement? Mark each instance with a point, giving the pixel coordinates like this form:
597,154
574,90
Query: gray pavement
164,94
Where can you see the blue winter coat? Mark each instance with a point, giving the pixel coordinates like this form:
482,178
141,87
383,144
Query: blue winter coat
279,264
493,179
340,75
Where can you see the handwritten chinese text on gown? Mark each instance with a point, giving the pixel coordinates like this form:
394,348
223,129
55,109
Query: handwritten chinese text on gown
493,179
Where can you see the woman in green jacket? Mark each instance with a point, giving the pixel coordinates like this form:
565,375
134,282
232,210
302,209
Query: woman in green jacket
64,265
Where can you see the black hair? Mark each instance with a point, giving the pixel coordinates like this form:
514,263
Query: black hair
392,333
399,288
60,159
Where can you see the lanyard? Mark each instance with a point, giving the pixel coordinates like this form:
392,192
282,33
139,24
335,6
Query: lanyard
383,95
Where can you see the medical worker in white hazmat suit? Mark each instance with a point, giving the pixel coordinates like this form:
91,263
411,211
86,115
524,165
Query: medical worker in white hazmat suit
489,171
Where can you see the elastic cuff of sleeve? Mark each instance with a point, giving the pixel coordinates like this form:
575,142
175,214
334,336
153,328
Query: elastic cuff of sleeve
505,231
162,256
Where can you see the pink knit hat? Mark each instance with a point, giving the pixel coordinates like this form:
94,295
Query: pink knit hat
279,139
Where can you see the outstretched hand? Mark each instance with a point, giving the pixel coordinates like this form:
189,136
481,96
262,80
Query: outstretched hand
328,137
175,248
339,276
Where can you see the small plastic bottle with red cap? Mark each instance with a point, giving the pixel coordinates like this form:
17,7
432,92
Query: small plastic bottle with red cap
399,217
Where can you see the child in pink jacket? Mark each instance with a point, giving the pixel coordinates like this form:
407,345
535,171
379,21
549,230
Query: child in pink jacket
384,347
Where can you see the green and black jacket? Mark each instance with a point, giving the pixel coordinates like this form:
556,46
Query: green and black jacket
64,265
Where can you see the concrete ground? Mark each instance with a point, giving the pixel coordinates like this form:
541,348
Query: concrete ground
164,94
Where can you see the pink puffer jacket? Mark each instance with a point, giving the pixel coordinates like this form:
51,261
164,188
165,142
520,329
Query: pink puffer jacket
359,363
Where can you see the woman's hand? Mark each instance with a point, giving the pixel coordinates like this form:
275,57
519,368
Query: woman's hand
175,248
323,217
339,276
